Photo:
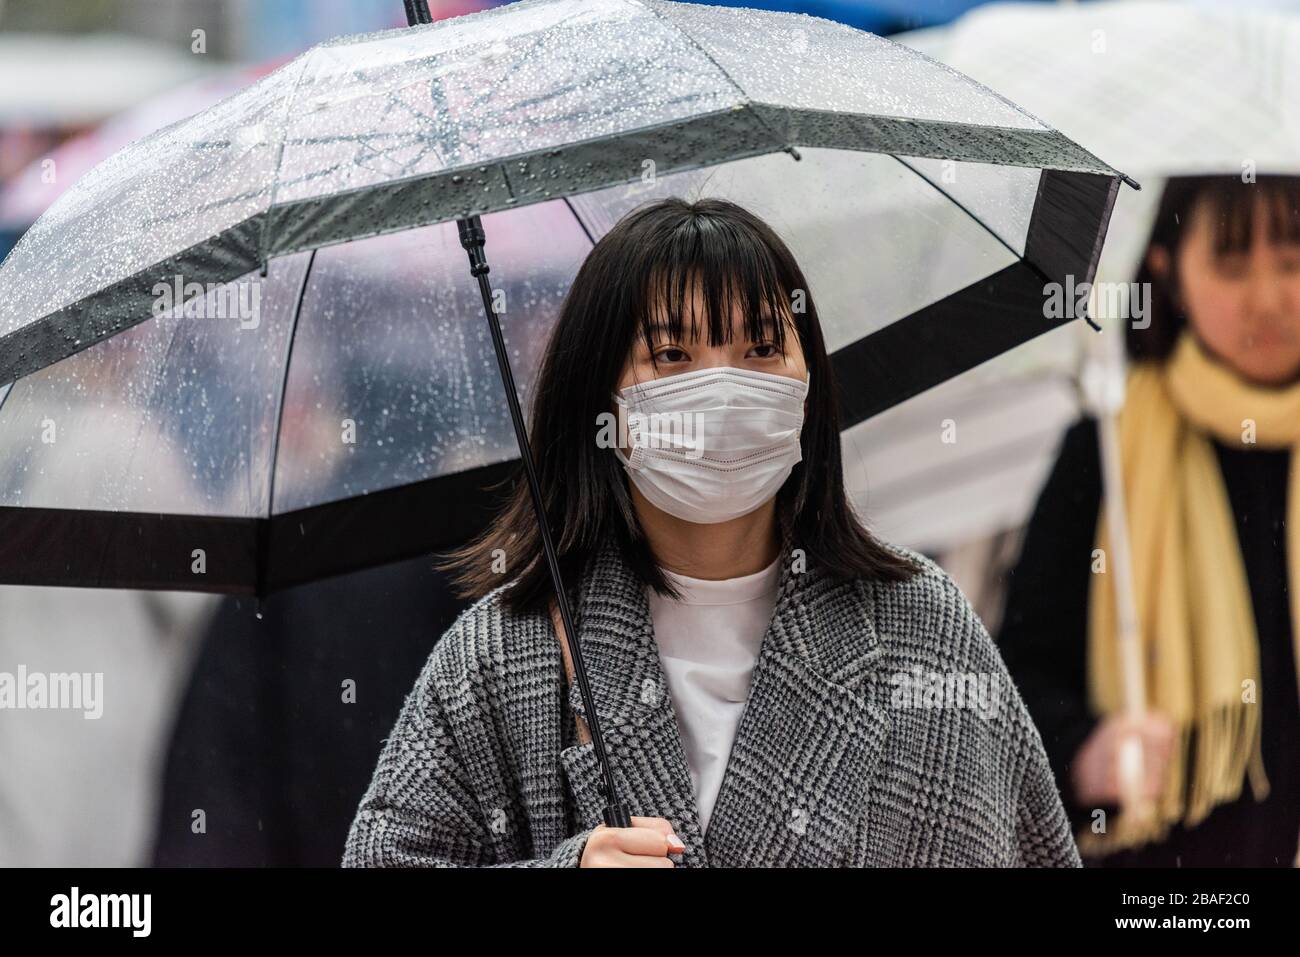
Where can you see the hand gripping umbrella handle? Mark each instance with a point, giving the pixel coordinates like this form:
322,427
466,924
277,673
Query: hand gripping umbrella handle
472,238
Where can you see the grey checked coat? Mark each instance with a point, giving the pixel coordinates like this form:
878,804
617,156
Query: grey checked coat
848,753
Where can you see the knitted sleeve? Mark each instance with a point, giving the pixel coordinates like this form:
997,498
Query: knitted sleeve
999,763
1037,826
1043,835
1041,830
420,810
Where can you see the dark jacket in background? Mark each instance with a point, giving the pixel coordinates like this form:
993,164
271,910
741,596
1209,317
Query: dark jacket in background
1043,640
264,743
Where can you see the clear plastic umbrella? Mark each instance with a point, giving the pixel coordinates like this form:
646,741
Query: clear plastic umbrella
927,211
192,295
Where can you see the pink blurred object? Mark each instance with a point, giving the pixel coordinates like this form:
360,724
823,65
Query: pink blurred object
28,194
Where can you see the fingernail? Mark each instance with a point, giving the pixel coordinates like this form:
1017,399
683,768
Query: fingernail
675,843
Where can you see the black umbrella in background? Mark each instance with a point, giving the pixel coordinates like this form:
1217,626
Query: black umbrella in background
274,739
930,212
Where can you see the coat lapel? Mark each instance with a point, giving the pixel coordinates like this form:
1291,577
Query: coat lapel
794,789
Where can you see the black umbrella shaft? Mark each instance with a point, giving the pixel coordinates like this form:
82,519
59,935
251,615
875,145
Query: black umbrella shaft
472,238
417,11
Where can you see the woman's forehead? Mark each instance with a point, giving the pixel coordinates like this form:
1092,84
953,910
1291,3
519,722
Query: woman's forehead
692,312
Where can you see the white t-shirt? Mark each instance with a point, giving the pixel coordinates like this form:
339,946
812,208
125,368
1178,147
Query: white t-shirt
708,644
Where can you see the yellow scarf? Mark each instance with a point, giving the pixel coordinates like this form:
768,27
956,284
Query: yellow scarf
1197,626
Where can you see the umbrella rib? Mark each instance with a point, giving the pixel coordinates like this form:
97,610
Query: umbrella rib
279,156
576,215
187,214
284,388
959,204
365,147
179,314
699,46
744,96
367,150
424,120
394,102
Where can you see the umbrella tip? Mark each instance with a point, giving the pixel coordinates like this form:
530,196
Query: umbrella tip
1130,181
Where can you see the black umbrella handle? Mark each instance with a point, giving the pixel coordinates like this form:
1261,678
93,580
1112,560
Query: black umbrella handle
472,238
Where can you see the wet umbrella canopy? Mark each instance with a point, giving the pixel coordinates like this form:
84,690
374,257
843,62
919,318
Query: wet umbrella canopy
312,407
209,393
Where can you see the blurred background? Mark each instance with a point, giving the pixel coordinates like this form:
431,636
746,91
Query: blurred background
236,709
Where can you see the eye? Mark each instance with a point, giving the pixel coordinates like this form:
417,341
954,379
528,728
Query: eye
1231,266
671,354
1289,259
764,350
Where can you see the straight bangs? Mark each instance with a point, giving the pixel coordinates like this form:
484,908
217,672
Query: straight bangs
1233,207
734,269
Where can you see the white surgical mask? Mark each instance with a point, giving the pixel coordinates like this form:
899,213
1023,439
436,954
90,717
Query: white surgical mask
714,444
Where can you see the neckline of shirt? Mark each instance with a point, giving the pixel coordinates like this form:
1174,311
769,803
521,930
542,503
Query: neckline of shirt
726,591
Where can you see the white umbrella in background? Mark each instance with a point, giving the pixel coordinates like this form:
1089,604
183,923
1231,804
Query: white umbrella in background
24,197
62,80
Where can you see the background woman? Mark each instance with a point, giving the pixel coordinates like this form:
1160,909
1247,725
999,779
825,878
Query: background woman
1211,420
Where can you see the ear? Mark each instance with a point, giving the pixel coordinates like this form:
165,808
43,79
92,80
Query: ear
1158,261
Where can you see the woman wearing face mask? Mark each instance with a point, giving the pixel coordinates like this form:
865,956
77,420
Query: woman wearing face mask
774,685
1208,432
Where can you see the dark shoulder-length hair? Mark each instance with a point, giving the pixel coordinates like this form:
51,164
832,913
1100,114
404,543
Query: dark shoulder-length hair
1232,205
651,258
